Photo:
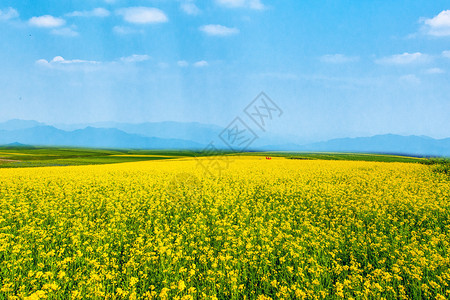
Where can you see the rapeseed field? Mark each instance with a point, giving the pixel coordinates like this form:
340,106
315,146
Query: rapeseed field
263,229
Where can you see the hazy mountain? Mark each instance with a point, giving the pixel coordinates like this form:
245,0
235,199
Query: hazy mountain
91,137
176,135
200,133
192,131
16,124
388,143
15,146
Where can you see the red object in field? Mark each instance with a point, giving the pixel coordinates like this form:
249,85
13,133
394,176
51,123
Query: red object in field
268,157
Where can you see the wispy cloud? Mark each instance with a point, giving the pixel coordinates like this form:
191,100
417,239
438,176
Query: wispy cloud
438,25
182,63
96,12
338,58
66,31
72,65
446,53
201,64
135,58
218,30
410,79
59,60
8,14
46,21
125,30
189,7
251,4
404,59
434,71
142,15
197,64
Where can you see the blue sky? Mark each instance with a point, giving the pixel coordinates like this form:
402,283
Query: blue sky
336,68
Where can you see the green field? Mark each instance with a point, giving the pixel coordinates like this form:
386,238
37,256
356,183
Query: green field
20,157
41,157
347,156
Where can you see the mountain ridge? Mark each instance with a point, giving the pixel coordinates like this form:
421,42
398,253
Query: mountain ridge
90,137
195,136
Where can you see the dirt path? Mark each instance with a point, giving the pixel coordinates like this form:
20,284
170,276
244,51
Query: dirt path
4,160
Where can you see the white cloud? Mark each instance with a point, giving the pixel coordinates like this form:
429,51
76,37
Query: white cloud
438,25
142,15
8,14
59,60
256,4
404,59
96,12
65,32
135,58
434,71
442,19
219,30
201,64
446,53
60,63
252,4
338,58
74,65
198,64
190,8
42,62
46,21
182,63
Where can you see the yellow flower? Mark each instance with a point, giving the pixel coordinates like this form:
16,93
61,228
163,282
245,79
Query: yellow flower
133,281
181,285
164,293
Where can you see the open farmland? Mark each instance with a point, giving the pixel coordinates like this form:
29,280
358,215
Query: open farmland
279,228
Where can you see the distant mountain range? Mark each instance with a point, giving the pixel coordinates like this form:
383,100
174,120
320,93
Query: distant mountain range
386,144
195,136
160,135
19,124
91,137
200,133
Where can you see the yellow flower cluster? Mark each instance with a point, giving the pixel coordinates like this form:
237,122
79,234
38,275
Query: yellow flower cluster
264,229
